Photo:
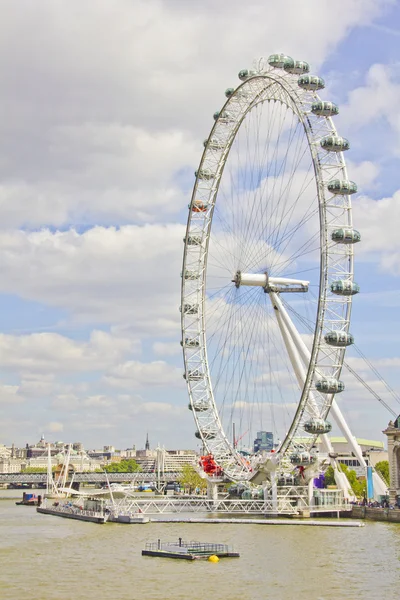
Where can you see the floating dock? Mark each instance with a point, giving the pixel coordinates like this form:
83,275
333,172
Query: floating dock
188,550
78,515
303,522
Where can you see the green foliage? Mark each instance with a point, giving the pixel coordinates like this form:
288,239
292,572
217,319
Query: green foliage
36,470
123,466
383,468
357,485
190,479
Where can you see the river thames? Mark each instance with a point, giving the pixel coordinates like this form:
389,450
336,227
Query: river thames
48,558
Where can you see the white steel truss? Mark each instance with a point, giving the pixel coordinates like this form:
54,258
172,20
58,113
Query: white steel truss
336,263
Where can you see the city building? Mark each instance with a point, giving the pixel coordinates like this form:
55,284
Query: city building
373,451
264,441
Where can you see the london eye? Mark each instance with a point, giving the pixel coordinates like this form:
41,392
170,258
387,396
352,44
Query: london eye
267,277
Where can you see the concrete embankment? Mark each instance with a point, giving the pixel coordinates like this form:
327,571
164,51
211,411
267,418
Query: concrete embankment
375,514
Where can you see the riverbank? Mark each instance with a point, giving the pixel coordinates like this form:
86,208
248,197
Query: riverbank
391,515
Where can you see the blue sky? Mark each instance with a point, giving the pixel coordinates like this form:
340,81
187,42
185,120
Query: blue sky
103,111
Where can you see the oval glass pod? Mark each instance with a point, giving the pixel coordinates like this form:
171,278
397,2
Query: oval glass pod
191,275
199,406
245,74
346,235
342,186
312,83
190,343
317,426
207,435
329,385
296,67
193,240
339,339
278,60
334,143
198,206
190,309
302,458
324,109
214,144
206,174
343,287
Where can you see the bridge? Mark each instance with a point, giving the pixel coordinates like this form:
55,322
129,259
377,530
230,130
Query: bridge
99,478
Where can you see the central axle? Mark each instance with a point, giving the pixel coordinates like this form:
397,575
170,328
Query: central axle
270,284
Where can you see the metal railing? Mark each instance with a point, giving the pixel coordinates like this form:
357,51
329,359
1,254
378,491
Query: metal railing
20,478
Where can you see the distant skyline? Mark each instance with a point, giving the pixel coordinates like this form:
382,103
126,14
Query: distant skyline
103,110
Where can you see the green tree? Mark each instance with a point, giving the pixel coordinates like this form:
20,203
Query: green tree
383,468
123,466
190,479
36,470
357,485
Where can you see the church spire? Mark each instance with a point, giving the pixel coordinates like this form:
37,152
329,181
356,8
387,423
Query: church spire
147,446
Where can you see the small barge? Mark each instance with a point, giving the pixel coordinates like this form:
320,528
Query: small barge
188,550
29,500
73,513
89,510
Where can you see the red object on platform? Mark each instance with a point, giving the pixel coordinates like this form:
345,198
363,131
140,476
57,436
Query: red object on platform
210,466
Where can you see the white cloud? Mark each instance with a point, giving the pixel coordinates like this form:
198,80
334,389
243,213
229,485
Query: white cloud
10,394
136,374
51,352
375,100
378,221
104,111
167,348
127,275
54,427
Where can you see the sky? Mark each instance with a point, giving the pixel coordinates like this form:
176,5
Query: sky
103,109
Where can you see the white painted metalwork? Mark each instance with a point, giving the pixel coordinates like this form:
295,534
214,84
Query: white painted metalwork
249,217
290,500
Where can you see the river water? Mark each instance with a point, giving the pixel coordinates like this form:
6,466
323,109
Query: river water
48,558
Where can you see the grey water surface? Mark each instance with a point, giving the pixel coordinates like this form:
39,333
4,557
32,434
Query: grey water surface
49,558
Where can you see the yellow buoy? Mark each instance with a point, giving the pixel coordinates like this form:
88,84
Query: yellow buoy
213,558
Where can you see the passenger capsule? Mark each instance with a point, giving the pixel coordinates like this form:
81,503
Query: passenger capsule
311,82
199,406
193,240
223,116
317,426
206,174
343,287
278,60
190,309
324,109
214,144
296,67
339,339
334,143
207,435
246,74
198,206
191,275
194,375
190,343
329,385
286,479
346,236
229,91
302,458
342,186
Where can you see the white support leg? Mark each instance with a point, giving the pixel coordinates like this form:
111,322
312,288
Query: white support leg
379,486
297,352
212,491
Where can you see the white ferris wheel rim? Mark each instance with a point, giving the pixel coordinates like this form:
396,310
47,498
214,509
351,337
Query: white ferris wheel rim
327,165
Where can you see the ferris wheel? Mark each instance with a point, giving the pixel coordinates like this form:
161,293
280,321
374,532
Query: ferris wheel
267,278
